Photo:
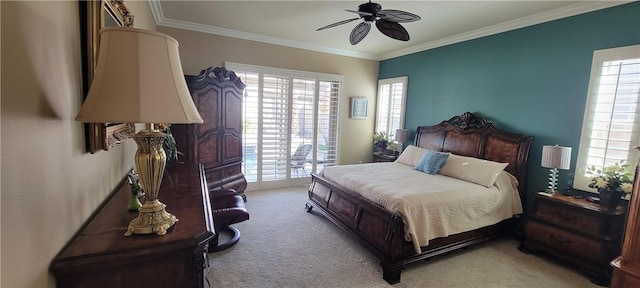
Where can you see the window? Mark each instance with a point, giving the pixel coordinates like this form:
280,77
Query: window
290,124
611,125
392,94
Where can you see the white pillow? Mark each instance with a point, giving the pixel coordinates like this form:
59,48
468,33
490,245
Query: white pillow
411,155
479,171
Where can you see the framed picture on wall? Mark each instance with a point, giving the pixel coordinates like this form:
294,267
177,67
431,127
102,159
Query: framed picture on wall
358,108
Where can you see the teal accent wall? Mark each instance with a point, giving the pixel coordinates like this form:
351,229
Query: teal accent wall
532,80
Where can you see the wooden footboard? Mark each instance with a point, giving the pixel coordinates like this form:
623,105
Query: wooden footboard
382,232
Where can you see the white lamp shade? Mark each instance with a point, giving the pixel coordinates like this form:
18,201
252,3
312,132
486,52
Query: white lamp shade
138,79
556,157
402,135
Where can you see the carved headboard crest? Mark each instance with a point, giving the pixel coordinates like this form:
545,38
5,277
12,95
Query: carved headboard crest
468,120
471,135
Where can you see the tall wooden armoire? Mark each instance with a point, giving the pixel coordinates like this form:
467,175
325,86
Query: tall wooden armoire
216,143
626,268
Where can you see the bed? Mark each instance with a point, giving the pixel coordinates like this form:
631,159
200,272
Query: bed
383,232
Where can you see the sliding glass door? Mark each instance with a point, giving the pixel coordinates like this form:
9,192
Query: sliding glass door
290,124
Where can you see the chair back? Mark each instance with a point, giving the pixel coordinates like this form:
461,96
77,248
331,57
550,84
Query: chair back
298,157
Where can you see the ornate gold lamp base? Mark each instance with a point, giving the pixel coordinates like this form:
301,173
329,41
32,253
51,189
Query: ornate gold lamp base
152,218
150,160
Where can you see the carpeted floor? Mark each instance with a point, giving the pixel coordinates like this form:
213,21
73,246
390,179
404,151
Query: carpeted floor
284,246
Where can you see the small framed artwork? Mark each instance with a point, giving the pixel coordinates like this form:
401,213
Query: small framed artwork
358,108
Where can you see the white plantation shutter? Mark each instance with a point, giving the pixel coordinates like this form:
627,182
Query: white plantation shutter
251,119
283,110
391,104
303,124
327,135
275,127
611,126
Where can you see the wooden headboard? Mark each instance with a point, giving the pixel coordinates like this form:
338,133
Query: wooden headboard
473,136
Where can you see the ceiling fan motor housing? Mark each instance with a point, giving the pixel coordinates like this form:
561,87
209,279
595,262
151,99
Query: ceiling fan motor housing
371,8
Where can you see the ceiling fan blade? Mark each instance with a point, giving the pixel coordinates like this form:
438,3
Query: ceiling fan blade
358,33
337,23
361,13
392,29
398,16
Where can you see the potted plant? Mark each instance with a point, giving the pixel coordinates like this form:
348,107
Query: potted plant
169,143
611,182
380,141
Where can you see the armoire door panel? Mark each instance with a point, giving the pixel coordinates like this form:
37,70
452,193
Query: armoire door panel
209,152
209,104
233,107
232,152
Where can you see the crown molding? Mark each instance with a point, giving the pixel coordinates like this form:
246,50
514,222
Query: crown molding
555,14
156,10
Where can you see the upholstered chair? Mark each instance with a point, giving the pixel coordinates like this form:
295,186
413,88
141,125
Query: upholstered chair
227,208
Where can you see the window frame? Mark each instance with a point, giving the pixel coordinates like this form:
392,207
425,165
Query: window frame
580,180
381,105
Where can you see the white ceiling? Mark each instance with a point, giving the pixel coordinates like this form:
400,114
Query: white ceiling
293,23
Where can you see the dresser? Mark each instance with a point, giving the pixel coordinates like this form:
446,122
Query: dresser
99,255
626,267
577,231
217,142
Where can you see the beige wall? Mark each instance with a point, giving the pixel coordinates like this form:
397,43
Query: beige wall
200,50
50,185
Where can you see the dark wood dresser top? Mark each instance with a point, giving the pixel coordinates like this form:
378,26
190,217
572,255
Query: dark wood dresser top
101,242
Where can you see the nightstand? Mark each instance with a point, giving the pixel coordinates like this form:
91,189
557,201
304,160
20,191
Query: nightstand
378,157
576,231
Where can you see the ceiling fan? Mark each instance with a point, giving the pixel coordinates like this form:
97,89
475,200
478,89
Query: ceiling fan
387,22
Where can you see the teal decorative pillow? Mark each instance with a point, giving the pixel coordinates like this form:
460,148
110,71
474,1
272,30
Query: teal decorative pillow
431,162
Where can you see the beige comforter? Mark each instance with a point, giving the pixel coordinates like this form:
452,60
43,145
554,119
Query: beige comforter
431,206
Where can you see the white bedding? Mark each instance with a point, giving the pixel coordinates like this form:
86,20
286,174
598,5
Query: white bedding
431,206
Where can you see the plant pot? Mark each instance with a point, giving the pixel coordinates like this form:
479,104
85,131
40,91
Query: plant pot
610,198
380,147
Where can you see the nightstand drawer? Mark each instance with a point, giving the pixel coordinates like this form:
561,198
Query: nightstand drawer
564,242
576,219
575,230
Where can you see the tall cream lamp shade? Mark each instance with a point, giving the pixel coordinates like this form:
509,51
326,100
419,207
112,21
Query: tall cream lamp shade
139,79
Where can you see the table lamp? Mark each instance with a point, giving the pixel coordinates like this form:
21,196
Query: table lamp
401,136
139,79
555,157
